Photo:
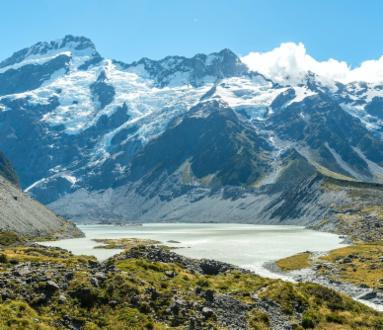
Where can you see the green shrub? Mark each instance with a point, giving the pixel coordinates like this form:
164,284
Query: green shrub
310,320
3,258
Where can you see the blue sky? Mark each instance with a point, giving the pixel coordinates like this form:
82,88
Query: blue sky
349,30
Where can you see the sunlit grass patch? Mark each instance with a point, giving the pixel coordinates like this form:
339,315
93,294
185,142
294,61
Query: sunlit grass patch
295,262
358,264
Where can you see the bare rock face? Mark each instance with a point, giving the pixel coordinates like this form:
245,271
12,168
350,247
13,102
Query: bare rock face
21,214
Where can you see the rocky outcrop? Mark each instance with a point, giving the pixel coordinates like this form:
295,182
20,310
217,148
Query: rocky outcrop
163,254
151,287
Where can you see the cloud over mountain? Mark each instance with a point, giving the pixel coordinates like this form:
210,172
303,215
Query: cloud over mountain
194,138
290,62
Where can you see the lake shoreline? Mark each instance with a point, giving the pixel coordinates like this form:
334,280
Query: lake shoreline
239,244
267,269
362,294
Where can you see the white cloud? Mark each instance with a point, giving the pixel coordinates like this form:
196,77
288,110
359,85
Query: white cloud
370,71
289,62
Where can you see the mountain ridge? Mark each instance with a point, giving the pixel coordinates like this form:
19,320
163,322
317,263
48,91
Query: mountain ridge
193,131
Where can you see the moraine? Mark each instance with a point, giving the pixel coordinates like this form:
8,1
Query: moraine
244,245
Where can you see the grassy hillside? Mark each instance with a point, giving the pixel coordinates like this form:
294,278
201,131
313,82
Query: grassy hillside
150,287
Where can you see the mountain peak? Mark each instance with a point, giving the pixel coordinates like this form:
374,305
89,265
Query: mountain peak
226,63
228,53
75,42
77,45
193,70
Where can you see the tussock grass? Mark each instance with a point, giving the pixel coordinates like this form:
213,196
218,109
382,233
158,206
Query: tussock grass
295,262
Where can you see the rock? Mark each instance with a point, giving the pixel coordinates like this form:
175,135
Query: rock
5,294
85,295
212,267
69,276
41,299
100,276
177,305
346,260
111,268
170,273
52,286
194,324
152,292
230,312
72,324
299,278
23,271
135,300
160,254
94,282
62,299
207,312
198,290
368,296
93,264
209,295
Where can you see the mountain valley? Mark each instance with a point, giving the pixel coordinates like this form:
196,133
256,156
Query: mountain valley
198,138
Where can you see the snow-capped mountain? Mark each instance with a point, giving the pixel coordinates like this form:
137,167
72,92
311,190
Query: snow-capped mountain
194,138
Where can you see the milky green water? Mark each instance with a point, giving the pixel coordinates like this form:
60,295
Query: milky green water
247,246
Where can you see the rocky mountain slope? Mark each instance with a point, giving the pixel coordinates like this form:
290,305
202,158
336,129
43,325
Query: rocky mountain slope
21,214
7,171
201,138
151,287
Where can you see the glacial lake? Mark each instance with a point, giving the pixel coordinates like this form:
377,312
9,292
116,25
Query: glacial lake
244,245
